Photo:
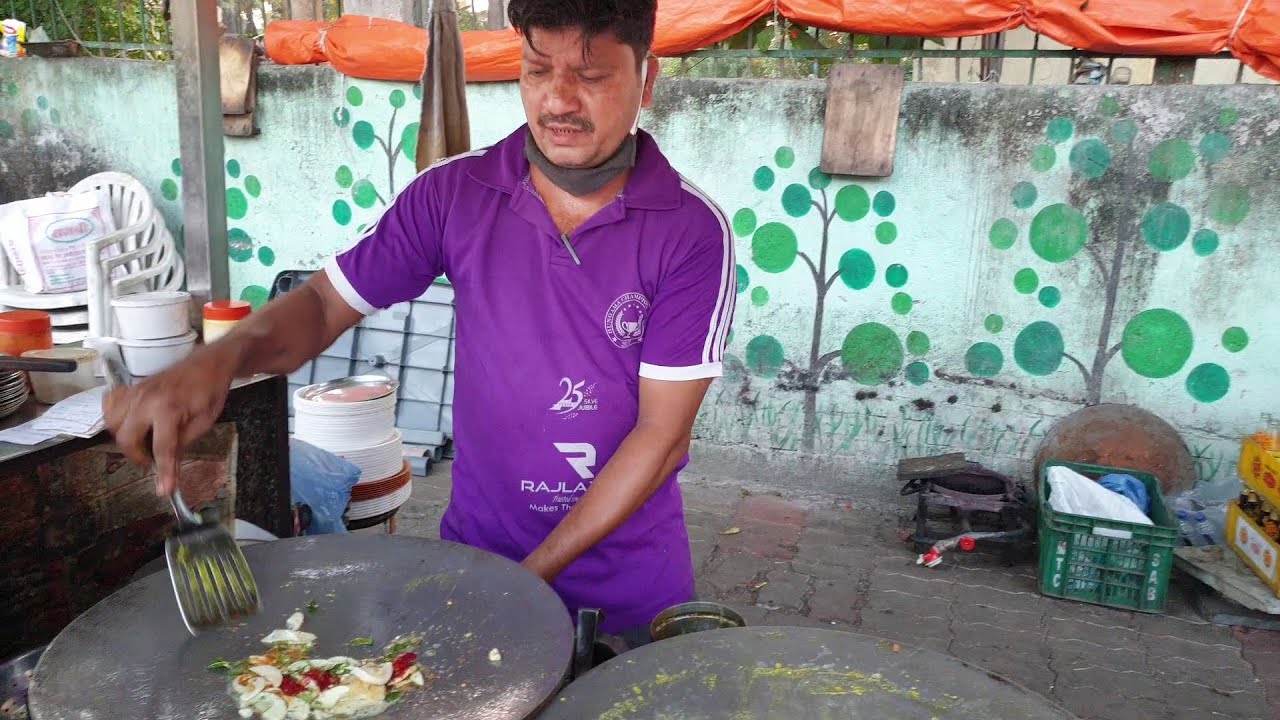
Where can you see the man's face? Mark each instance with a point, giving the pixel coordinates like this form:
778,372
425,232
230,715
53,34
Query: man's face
581,106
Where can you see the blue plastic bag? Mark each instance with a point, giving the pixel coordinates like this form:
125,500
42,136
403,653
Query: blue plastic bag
1130,487
322,481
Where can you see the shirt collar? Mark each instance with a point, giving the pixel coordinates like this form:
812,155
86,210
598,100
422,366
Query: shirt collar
653,184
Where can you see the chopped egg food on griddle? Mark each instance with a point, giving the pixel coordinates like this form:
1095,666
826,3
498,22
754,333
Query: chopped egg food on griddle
287,683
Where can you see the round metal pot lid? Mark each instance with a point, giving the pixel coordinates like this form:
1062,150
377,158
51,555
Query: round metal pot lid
130,657
793,673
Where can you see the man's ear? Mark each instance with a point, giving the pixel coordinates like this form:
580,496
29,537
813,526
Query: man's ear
651,75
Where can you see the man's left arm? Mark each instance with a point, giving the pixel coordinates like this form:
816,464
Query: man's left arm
685,337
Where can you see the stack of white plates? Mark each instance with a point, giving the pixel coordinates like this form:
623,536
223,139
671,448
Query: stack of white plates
13,392
361,509
377,462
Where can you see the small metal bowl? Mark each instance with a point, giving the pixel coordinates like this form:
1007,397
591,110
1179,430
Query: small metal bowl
692,617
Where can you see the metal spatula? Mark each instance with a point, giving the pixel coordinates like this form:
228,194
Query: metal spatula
211,578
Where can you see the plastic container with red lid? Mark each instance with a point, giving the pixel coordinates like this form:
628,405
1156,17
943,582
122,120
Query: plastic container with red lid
222,315
24,330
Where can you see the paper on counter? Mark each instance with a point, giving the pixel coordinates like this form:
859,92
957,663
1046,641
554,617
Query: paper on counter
26,434
79,415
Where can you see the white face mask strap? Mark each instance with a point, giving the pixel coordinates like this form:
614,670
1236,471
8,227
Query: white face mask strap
644,79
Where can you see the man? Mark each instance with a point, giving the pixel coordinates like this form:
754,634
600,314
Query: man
595,290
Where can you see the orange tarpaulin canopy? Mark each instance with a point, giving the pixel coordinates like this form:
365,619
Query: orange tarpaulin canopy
379,49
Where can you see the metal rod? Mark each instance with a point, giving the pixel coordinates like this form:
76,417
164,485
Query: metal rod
142,10
120,19
1035,47
142,47
902,54
204,198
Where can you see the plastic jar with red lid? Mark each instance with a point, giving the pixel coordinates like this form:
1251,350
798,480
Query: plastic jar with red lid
222,315
24,330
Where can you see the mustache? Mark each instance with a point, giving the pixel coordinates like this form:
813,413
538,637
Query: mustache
576,121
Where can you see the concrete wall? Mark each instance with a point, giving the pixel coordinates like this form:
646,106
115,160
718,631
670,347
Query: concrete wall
1037,249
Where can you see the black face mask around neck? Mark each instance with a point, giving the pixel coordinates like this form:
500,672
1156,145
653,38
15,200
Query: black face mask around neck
582,181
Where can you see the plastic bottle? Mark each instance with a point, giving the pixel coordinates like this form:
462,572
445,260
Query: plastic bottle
1204,529
1188,531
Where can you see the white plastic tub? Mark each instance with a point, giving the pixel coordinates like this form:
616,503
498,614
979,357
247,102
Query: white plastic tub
54,387
148,357
153,315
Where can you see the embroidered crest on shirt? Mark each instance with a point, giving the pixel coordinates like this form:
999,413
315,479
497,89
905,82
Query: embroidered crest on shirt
624,323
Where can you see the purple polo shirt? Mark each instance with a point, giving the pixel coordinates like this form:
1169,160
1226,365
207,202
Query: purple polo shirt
550,352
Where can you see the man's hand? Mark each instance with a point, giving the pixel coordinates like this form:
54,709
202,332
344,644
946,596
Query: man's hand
161,416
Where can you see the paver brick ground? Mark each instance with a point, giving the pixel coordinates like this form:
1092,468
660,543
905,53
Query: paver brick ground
827,563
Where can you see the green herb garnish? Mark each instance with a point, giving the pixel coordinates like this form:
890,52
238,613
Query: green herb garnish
393,696
230,668
312,606
362,642
340,670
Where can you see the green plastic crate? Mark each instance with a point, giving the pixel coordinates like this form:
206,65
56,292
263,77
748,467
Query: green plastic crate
1105,562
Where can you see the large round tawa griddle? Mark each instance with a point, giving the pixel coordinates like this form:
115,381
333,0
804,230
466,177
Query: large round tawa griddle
130,657
785,673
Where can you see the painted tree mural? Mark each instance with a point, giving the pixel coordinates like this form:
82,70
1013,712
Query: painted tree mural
1118,217
871,353
399,144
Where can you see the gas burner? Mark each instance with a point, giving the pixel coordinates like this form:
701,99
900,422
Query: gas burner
960,503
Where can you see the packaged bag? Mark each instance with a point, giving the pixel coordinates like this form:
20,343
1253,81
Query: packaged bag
46,238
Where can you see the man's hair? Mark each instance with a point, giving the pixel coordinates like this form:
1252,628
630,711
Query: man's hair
631,21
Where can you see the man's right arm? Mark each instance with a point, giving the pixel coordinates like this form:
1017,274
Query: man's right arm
395,261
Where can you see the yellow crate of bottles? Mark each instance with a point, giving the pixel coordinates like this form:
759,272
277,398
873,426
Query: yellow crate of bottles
1260,468
1253,546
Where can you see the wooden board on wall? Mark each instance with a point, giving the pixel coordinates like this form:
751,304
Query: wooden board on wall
861,128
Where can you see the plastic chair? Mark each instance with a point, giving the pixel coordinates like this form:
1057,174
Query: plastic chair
139,257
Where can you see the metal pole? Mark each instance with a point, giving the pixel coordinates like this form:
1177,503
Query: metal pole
204,192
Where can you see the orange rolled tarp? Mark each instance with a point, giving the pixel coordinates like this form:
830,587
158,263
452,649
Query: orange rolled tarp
379,49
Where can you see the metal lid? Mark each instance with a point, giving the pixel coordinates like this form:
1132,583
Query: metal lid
359,388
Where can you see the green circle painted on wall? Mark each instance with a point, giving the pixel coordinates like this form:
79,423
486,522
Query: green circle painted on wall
42,102
1023,195
1124,132
1228,203
796,200
872,354
266,256
764,355
1215,147
1235,339
983,360
1166,226
1003,234
1039,348
744,222
169,189
1109,105
1205,242
884,203
994,324
1228,117
1058,232
886,233
1059,130
397,98
759,296
363,135
857,269
1208,383
896,275
354,97
364,194
744,280
852,203
902,303
255,295
1090,158
341,117
239,245
252,185
176,167
773,247
417,91
1171,160
344,177
1026,281
233,168
1156,343
917,373
918,343
764,178
12,89
409,141
1043,158
341,212
237,204
1050,296
818,180
785,157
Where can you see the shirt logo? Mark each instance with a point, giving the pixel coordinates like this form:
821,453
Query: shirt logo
576,398
580,456
624,323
